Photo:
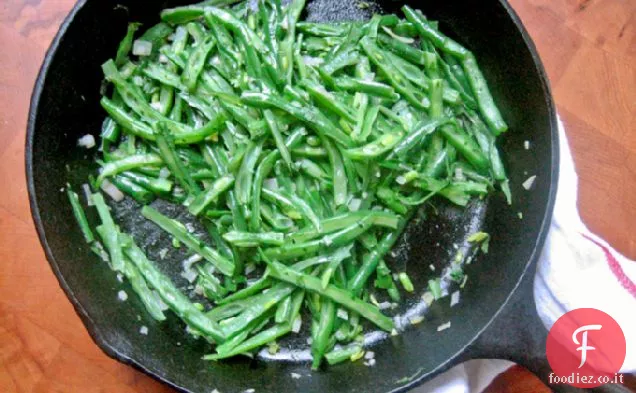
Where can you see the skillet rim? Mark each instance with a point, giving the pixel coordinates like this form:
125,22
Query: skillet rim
94,330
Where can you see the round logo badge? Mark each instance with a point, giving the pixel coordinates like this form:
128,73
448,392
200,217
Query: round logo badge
585,348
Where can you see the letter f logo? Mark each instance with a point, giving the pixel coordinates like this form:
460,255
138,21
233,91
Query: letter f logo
583,344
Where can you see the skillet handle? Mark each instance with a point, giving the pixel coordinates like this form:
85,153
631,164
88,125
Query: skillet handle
517,334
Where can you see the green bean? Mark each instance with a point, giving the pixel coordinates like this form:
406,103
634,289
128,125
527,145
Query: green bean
245,176
428,32
337,295
367,87
80,215
309,152
371,260
221,245
283,312
337,256
336,239
310,116
327,100
401,84
312,169
333,224
391,199
135,100
161,75
195,64
306,211
247,292
320,342
125,164
344,59
211,194
376,148
109,233
406,51
265,336
166,99
323,29
136,191
126,44
416,136
126,121
368,124
157,34
156,185
249,240
259,305
170,295
179,231
340,355
487,106
170,157
278,138
212,288
294,10
151,302
466,146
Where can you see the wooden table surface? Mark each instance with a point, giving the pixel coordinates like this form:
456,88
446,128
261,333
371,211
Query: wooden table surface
588,48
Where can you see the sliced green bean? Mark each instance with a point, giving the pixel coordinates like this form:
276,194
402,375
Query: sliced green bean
180,232
339,296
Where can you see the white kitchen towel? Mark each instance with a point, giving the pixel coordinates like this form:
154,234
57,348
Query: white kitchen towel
577,269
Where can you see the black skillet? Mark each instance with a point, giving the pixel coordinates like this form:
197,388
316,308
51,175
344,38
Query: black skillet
496,317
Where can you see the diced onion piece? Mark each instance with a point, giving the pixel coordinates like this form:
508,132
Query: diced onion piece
342,314
526,145
143,330
416,320
142,48
369,355
164,173
428,298
298,323
295,375
189,275
188,272
87,141
112,191
122,295
271,184
444,326
88,193
354,204
459,174
384,305
454,298
529,182
312,61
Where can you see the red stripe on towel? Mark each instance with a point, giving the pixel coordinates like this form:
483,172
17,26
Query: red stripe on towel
615,267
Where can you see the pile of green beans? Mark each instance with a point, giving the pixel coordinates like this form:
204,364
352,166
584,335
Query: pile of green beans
303,148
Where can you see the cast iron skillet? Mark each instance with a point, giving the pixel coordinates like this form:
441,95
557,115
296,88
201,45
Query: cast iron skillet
496,317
